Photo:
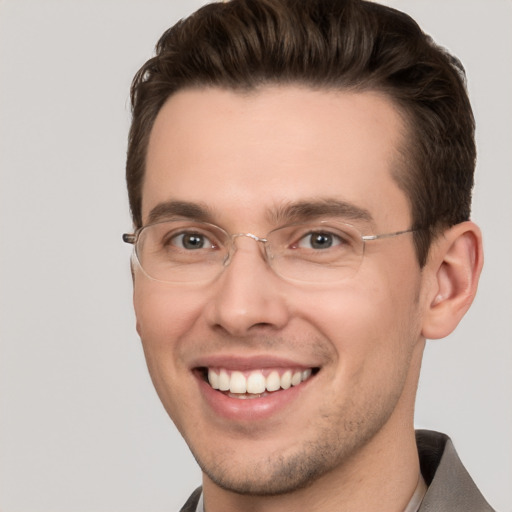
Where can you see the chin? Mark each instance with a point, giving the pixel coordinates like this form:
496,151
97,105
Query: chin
284,471
278,477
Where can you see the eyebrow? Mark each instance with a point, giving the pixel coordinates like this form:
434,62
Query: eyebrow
286,213
315,208
170,209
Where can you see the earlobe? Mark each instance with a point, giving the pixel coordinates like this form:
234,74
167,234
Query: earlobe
455,262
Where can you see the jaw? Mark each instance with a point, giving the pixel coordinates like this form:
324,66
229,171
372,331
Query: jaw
313,461
277,442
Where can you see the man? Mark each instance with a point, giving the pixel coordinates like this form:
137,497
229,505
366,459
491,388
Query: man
300,178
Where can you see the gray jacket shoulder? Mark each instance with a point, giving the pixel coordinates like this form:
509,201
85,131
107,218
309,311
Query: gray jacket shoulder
191,504
451,488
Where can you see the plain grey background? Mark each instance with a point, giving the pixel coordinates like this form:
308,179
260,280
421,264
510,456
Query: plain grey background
81,428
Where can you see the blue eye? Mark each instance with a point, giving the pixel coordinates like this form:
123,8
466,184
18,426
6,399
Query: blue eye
319,240
191,241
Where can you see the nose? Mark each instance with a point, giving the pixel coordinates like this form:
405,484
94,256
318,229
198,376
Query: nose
248,296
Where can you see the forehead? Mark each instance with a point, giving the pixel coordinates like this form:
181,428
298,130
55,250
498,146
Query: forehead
240,155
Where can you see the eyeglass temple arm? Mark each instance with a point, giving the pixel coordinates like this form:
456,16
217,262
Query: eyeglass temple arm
388,235
129,238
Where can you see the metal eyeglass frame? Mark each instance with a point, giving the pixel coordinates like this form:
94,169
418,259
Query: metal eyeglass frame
132,238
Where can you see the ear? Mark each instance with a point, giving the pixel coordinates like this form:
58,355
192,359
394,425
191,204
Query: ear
455,262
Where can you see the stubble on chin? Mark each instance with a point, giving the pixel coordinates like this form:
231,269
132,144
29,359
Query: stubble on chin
284,473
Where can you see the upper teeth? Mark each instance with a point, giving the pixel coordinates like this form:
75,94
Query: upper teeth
255,382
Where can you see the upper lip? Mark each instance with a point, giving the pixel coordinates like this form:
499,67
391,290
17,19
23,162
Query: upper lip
245,363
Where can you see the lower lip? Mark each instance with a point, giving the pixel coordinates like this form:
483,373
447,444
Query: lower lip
249,409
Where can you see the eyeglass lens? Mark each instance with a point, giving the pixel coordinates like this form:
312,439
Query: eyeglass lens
185,251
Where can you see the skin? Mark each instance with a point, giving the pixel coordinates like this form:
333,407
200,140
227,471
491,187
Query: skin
335,443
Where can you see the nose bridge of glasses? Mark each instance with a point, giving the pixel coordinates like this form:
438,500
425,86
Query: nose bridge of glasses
248,235
234,247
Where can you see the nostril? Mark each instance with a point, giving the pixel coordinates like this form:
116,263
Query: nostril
262,325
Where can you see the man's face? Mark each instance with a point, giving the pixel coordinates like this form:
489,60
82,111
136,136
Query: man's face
241,158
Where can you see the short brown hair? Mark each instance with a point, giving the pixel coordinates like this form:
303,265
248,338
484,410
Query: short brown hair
327,44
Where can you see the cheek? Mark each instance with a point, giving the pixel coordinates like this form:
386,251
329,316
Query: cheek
163,314
371,326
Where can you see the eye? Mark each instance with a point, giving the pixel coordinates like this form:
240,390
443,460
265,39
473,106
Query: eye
190,241
319,240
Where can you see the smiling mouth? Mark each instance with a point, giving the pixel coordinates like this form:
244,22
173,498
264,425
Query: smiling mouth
256,383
